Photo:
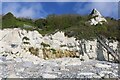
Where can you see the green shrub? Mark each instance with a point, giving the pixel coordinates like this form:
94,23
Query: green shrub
45,45
26,43
73,25
25,38
53,50
34,51
62,45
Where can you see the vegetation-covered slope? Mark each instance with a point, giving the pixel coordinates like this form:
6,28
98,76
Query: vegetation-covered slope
72,24
10,21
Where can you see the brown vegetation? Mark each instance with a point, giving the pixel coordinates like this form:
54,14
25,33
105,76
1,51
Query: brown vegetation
49,54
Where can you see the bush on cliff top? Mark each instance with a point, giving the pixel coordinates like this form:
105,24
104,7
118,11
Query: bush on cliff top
71,24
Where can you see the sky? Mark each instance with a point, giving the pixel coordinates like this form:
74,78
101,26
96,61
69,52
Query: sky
0,8
59,0
42,9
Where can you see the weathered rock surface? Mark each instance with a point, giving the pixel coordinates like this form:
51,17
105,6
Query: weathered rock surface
21,44
97,18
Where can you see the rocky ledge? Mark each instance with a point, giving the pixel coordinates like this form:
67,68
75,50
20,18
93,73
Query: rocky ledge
58,68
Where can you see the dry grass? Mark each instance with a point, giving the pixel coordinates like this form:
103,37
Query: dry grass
48,54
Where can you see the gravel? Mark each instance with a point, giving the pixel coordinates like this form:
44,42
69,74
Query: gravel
56,69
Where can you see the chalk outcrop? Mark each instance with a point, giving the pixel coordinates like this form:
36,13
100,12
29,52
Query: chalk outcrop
96,18
22,45
15,43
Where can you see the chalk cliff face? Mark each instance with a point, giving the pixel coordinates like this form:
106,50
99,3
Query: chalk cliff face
22,43
17,43
97,18
26,45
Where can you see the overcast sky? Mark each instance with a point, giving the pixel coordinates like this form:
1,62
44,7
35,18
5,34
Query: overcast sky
42,9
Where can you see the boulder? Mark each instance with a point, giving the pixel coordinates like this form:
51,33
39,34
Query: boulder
49,75
12,75
103,65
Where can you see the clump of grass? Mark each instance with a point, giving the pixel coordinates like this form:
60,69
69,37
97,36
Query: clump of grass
26,43
53,51
45,45
34,51
25,38
62,45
